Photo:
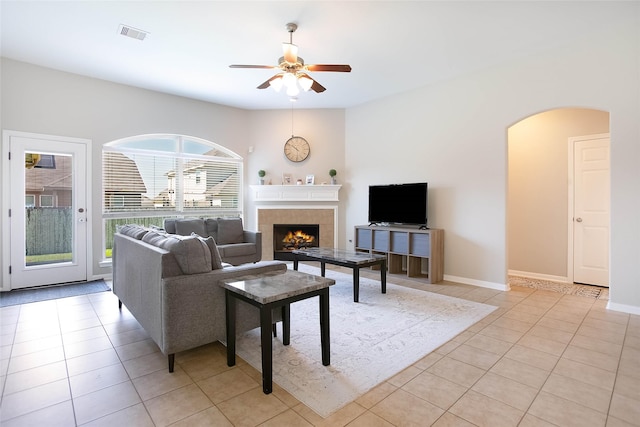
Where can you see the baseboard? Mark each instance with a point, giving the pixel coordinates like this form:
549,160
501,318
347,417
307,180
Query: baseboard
480,283
631,309
538,276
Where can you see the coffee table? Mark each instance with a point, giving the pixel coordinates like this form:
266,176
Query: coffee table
269,291
352,259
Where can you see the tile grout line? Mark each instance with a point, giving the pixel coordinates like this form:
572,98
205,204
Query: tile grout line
615,380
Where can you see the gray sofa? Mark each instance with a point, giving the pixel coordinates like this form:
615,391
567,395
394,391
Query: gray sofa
170,285
236,245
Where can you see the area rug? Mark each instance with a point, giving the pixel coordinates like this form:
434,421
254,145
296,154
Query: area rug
26,296
371,341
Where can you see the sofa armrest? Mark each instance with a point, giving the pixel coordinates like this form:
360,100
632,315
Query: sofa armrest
198,299
137,277
253,237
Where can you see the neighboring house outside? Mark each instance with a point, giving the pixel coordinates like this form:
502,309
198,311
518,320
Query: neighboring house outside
123,185
48,183
206,183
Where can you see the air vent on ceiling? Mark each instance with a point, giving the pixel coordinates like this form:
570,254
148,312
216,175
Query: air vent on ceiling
134,33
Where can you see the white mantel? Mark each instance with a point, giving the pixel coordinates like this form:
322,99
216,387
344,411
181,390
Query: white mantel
295,193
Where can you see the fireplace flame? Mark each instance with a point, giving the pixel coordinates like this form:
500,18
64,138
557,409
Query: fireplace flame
297,240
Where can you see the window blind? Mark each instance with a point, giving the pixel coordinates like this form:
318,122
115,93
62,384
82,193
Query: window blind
144,181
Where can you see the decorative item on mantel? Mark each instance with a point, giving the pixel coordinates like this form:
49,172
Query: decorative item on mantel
332,174
261,174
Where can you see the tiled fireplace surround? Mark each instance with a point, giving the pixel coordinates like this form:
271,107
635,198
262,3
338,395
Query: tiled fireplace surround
296,205
323,216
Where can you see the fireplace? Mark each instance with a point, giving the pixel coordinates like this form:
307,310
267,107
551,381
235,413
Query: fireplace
325,216
287,237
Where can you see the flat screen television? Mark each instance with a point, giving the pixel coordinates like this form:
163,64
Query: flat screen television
398,204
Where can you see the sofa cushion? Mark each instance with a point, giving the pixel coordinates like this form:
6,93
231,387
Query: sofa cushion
230,231
133,230
186,226
169,225
211,228
216,259
239,249
192,254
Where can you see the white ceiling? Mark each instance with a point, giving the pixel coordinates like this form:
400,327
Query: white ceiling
392,46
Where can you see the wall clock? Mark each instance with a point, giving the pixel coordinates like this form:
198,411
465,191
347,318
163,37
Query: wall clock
296,149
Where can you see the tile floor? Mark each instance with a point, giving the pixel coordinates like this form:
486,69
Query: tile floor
541,359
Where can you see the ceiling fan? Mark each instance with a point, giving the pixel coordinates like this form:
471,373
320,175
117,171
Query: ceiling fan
293,70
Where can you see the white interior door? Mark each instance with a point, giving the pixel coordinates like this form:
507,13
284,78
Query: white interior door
48,210
591,210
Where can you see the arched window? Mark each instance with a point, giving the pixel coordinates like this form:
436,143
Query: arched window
148,178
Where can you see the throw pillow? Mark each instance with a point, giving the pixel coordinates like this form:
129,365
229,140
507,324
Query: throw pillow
132,230
192,254
154,238
216,259
185,227
230,231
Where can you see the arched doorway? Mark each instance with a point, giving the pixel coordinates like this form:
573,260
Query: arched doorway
539,190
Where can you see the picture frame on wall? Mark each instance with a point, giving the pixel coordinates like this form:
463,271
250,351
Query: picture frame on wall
310,179
286,179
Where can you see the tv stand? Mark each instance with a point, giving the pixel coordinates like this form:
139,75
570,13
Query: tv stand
418,252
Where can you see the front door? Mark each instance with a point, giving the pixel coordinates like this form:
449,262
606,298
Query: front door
591,210
48,210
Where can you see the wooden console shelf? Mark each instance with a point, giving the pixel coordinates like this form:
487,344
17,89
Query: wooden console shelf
418,252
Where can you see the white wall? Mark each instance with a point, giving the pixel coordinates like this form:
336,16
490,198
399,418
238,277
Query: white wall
538,188
454,135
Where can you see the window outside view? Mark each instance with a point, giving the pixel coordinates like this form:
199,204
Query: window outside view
48,211
152,177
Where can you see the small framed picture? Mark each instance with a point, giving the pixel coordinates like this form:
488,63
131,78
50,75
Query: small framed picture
310,179
286,179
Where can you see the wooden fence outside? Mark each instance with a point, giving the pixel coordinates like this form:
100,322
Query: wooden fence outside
48,230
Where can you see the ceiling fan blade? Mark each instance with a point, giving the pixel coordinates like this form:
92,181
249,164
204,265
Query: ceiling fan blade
329,67
266,84
252,66
317,87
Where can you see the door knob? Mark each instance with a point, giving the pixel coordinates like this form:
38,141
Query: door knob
578,219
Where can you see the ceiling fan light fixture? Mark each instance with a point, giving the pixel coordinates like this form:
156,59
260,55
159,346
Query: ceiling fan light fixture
305,82
276,83
293,91
290,53
289,80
